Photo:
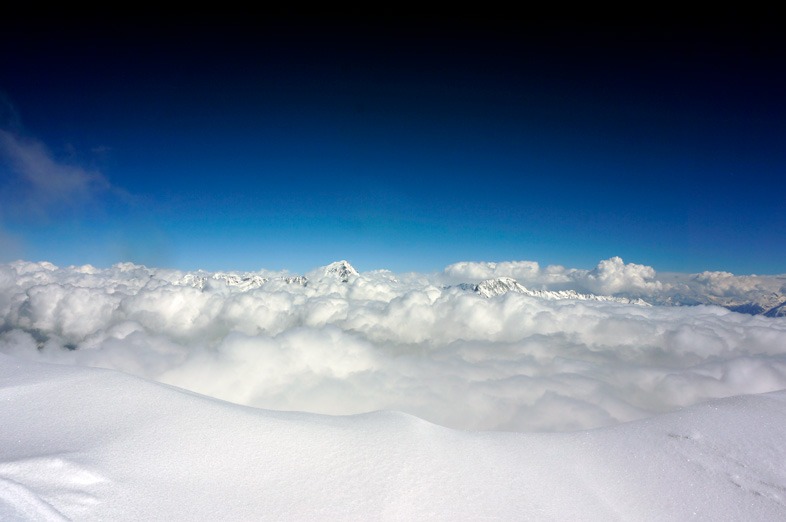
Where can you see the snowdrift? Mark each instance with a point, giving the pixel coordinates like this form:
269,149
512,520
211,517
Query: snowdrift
91,444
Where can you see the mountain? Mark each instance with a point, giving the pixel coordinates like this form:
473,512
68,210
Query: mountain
751,304
503,285
340,270
762,296
778,311
245,282
499,286
296,280
746,294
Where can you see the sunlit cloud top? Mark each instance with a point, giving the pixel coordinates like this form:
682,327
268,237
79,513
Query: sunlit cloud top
491,354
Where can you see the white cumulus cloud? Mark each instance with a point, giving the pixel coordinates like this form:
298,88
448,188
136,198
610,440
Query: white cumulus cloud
383,341
614,276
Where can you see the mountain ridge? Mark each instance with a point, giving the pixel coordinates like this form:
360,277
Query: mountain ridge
686,293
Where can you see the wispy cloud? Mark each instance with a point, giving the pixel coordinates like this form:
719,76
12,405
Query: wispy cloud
38,185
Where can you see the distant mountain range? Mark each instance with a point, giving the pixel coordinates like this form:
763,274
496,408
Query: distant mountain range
769,306
503,285
752,295
759,308
777,311
686,293
341,271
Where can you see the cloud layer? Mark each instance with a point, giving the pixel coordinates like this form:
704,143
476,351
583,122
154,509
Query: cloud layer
408,342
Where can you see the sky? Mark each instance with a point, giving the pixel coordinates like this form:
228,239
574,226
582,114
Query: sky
283,142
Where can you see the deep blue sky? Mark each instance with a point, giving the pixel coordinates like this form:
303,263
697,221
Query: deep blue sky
284,142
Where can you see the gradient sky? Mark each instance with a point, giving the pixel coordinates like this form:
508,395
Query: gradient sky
279,142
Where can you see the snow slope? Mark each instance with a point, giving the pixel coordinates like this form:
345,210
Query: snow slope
89,444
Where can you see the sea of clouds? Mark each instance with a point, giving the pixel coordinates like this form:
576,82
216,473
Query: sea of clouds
417,343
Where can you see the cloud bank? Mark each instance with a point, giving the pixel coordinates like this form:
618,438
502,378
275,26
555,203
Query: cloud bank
341,342
615,277
611,276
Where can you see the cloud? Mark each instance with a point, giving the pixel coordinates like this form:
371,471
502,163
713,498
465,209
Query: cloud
382,341
726,284
611,276
614,276
39,184
473,272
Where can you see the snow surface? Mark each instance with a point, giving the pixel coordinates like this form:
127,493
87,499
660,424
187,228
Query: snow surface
93,444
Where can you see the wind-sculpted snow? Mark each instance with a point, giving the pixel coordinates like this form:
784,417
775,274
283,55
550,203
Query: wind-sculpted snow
88,444
336,341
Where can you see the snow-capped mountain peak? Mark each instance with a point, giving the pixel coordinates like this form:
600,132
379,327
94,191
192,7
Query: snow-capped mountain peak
499,286
341,270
